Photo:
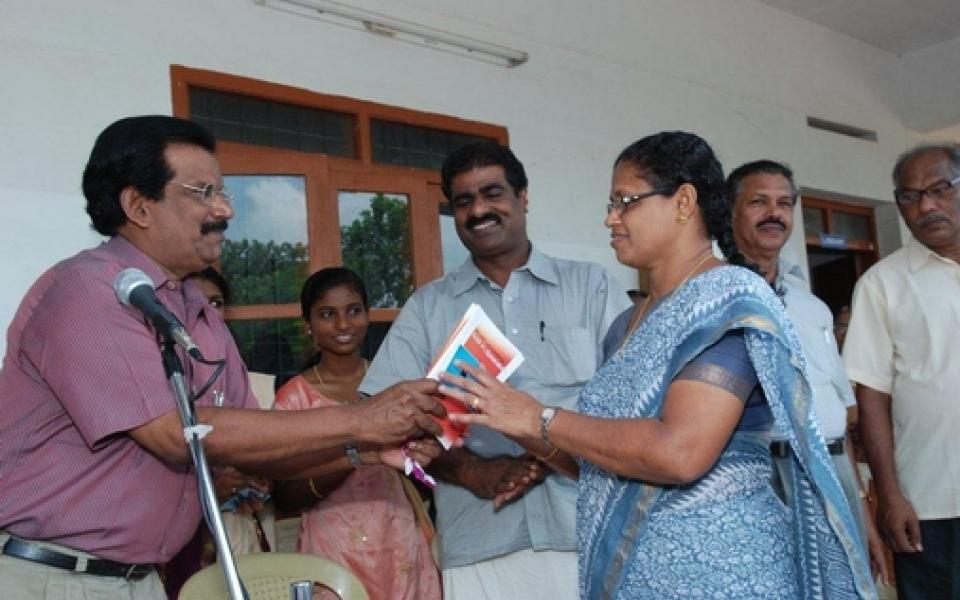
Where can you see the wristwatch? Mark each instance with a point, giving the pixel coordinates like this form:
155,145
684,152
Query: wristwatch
547,416
353,456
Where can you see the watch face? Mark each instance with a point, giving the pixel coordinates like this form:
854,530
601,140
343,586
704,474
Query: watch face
545,418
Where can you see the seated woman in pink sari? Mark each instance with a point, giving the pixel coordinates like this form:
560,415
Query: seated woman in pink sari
361,514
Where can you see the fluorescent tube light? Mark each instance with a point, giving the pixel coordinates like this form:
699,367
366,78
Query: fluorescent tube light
406,31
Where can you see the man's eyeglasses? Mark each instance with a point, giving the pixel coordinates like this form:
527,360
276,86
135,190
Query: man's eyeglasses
934,192
619,204
207,192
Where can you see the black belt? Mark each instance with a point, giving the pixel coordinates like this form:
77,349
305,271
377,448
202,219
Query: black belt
782,449
95,566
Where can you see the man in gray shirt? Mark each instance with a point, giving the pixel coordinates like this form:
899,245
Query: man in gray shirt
506,524
762,196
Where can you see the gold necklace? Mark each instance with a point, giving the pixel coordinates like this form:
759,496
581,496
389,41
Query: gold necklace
638,318
316,372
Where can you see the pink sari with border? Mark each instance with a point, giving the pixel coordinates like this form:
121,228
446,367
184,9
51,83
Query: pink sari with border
367,524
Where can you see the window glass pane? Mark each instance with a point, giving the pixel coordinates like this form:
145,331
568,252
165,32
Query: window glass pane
850,226
272,345
414,146
375,242
236,118
813,221
452,250
266,256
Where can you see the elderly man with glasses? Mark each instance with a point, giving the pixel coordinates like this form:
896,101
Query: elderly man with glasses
903,351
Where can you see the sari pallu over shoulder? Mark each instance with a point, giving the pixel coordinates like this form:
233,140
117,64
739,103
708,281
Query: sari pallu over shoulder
612,511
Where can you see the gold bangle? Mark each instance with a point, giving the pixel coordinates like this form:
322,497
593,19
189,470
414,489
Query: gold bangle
550,455
313,489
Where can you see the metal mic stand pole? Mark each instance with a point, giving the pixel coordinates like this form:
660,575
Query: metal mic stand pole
208,499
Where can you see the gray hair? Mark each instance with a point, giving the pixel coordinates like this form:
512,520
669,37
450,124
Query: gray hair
951,149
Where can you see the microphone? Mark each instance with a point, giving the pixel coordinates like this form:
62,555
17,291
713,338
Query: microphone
134,288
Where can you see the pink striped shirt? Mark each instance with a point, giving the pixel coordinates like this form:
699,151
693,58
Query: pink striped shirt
81,370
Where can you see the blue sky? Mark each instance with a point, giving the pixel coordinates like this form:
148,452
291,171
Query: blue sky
273,207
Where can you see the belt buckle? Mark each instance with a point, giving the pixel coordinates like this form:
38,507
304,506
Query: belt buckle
136,572
80,564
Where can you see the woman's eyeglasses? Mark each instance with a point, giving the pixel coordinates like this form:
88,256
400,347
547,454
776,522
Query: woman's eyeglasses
619,204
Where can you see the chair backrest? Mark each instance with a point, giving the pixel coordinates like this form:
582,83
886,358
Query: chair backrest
268,575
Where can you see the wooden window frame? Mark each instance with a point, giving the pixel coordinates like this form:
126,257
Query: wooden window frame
865,252
326,175
183,78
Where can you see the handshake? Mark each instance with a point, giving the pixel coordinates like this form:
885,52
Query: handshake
406,414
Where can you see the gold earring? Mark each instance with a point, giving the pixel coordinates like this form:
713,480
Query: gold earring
683,220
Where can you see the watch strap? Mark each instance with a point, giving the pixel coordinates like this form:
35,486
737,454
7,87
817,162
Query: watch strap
546,418
353,456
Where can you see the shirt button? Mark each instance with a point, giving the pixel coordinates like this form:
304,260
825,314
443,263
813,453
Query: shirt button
514,331
510,299
171,285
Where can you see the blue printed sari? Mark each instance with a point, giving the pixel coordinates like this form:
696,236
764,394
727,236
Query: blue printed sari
725,535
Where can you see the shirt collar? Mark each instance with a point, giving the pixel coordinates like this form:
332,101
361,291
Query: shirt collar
132,256
785,271
785,268
919,255
538,264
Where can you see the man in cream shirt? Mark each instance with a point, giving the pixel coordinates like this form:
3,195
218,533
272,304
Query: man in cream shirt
903,351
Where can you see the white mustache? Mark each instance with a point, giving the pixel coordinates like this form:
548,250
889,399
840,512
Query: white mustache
931,219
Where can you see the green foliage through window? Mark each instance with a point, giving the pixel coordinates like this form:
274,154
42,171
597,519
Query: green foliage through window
377,246
267,273
272,346
264,272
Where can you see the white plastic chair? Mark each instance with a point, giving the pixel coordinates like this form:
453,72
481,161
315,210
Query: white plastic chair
268,575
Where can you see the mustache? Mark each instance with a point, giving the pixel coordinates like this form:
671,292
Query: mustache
212,226
772,221
931,219
474,221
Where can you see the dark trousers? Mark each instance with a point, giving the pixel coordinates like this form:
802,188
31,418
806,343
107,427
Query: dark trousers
933,574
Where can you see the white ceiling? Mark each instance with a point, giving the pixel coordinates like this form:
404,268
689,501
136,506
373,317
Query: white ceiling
897,26
925,34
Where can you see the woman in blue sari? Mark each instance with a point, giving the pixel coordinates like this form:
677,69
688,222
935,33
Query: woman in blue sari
672,434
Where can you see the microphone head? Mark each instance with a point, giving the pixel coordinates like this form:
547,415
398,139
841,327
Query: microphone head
128,280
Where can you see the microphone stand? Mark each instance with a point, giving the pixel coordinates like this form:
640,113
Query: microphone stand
208,499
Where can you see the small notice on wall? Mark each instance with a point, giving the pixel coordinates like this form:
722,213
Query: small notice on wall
832,240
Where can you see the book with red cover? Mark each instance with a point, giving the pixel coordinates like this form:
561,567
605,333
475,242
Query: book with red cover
478,342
